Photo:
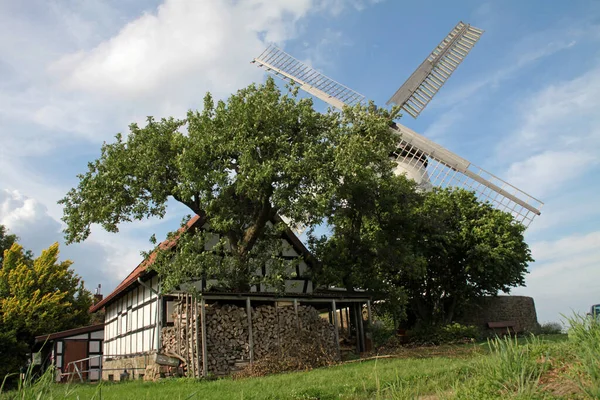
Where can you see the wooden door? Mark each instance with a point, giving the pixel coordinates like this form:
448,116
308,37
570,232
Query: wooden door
75,350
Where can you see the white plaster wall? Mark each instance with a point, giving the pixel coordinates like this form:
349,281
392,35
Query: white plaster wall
131,321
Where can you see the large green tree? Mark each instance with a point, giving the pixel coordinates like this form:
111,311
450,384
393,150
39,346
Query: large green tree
239,163
466,249
373,226
37,296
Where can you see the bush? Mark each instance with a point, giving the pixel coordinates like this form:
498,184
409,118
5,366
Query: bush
551,328
382,330
448,334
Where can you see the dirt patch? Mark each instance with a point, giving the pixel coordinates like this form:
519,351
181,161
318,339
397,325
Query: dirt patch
559,381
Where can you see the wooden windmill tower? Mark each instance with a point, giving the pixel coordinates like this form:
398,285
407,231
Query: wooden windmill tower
419,158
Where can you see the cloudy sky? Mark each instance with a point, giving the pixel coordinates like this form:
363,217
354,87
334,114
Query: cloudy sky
524,105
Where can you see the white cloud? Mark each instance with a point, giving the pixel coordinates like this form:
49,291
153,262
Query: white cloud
101,259
180,45
557,140
563,114
548,171
564,278
76,73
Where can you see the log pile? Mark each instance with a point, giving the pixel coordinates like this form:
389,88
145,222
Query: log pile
277,331
227,337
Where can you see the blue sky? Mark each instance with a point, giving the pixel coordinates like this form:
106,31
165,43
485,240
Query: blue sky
524,104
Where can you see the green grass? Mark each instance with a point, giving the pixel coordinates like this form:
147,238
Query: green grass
543,367
385,378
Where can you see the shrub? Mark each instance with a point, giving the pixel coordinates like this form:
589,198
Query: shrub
551,328
447,334
382,330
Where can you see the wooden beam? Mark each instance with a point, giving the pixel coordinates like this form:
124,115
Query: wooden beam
278,329
197,357
186,332
356,330
335,326
204,344
361,327
296,311
250,337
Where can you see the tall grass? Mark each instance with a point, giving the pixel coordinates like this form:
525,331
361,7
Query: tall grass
512,369
32,387
584,335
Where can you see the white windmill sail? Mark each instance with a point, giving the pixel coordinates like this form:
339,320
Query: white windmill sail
418,157
418,90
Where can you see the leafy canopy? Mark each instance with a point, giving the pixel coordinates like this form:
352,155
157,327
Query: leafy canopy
468,249
42,296
239,163
37,296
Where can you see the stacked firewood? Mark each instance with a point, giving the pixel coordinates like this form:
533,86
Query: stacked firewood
277,331
226,337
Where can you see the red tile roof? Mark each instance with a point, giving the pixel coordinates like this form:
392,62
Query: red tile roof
143,266
141,269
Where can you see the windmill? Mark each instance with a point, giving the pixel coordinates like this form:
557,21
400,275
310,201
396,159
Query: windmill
416,156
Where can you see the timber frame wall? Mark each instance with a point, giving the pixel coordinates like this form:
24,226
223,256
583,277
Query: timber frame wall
94,352
132,322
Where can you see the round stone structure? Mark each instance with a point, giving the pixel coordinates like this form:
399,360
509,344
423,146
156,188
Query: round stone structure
520,309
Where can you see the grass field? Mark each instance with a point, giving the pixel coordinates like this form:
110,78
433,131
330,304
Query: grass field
536,368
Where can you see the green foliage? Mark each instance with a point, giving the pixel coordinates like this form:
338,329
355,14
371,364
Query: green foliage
446,334
467,250
551,328
584,334
37,296
384,379
239,163
42,297
6,242
382,329
13,353
512,369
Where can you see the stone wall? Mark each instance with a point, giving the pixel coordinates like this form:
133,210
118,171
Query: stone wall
520,309
135,366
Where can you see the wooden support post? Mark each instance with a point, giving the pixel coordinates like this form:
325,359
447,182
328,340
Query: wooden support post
278,329
186,332
296,311
197,357
369,315
335,326
178,337
250,337
347,312
204,346
356,330
361,327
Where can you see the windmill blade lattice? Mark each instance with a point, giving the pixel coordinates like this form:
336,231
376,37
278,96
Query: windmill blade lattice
427,162
286,67
438,166
418,90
